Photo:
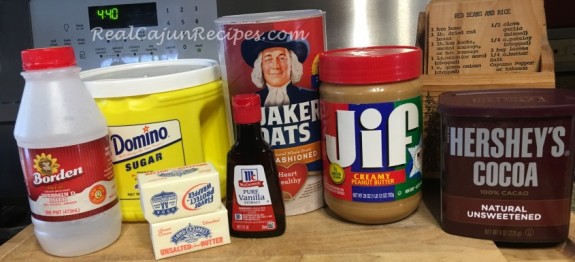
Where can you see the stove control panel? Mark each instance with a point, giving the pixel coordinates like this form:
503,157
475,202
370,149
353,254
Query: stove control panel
110,32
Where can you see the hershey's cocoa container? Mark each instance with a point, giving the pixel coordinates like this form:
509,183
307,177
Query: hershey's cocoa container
275,55
507,164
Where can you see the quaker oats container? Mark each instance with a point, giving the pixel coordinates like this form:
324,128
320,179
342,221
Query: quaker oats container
275,55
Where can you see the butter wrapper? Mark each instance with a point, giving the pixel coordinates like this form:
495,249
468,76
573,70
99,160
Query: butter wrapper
179,192
190,234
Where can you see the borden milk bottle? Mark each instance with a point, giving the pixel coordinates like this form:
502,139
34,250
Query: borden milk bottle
65,156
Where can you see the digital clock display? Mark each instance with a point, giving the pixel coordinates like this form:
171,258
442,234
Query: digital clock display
123,16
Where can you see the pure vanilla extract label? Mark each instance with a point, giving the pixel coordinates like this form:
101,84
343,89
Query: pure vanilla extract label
252,202
506,177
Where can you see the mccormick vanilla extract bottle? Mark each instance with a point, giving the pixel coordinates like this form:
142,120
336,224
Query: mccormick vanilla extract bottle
253,199
65,155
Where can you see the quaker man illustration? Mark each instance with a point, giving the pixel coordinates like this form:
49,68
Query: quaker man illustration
277,62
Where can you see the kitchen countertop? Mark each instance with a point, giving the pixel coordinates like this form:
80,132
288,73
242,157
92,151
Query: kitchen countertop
319,235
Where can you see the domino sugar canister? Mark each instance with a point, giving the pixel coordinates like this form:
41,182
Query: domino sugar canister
160,115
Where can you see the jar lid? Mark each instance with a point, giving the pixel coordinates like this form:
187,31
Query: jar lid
246,108
370,65
524,102
276,16
152,77
48,58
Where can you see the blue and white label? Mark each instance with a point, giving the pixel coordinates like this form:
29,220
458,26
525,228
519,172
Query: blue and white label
136,140
178,172
164,203
198,196
191,234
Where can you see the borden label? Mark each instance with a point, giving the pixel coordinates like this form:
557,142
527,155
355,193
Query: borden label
507,179
69,183
372,152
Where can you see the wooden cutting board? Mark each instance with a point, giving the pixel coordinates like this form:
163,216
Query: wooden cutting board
484,36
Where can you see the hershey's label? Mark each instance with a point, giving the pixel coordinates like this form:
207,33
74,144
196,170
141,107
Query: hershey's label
516,144
505,174
506,142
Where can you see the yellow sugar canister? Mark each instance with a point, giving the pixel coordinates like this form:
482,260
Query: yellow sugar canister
160,114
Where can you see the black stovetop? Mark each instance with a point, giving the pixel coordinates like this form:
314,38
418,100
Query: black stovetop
13,218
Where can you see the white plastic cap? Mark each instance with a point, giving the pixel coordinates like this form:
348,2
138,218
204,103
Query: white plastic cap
149,77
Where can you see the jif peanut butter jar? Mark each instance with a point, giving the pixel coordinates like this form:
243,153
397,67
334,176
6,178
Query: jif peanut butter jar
371,117
507,164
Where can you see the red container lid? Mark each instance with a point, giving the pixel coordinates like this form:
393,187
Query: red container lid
48,58
528,102
370,65
246,108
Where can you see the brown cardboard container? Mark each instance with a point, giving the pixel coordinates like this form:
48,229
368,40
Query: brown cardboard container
434,85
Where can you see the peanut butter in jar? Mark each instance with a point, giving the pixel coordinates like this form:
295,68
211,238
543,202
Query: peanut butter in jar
372,124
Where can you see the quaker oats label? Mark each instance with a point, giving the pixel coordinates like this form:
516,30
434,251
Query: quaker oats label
506,178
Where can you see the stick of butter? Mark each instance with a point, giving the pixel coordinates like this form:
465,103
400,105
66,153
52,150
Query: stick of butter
179,192
189,234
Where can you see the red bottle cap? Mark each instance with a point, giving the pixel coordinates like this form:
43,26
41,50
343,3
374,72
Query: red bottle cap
370,65
246,108
48,58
